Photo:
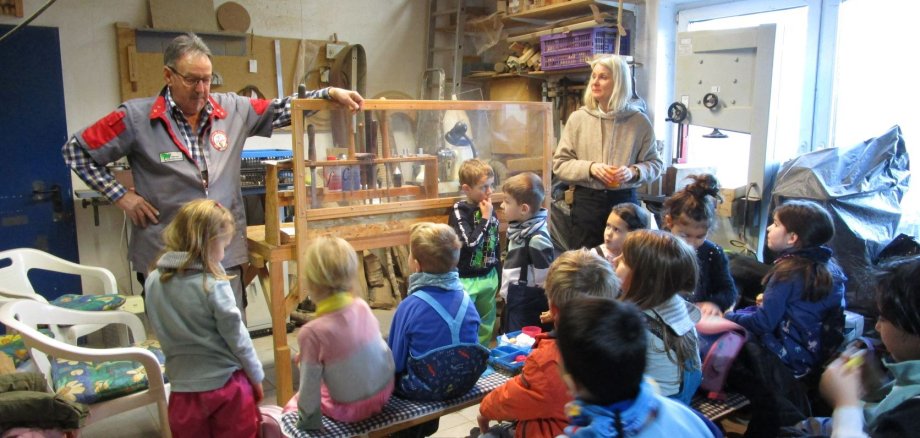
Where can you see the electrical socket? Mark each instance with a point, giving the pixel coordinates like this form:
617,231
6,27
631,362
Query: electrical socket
253,66
333,49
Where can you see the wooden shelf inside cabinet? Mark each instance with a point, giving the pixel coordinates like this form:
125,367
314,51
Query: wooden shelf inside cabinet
275,198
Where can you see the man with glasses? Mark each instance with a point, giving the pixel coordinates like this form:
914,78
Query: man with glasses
182,144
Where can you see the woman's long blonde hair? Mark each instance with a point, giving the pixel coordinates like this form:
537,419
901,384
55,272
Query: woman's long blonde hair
193,229
622,83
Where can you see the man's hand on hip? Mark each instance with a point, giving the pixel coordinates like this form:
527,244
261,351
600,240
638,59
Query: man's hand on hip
138,209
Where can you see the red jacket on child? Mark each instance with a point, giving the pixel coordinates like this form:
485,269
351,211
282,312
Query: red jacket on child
535,398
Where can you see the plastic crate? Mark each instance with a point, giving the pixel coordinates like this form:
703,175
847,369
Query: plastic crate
574,49
506,359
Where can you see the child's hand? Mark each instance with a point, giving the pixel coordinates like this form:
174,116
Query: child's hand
483,424
486,207
841,384
709,309
546,317
257,392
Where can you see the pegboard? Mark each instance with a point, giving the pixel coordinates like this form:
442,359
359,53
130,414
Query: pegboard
140,62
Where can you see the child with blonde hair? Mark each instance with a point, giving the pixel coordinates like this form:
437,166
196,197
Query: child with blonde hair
475,222
655,268
536,398
434,334
346,368
213,370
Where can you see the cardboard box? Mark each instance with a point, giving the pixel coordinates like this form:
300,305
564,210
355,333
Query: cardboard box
729,195
675,177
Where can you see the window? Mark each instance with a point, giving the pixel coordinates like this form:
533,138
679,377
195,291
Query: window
876,86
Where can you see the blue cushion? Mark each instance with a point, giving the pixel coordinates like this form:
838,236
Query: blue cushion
89,302
88,382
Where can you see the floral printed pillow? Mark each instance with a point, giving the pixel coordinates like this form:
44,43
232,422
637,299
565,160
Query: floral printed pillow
88,382
89,302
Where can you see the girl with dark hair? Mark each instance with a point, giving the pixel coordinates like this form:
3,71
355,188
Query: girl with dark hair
803,288
843,383
804,291
690,215
622,219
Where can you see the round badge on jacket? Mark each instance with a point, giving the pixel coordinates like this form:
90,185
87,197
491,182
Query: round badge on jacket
219,140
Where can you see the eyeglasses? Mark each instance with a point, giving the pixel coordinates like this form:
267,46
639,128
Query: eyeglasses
191,82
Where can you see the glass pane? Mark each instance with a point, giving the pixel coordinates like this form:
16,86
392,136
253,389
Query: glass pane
876,82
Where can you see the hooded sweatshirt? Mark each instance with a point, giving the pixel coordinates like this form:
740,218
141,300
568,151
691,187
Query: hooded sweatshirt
618,138
648,415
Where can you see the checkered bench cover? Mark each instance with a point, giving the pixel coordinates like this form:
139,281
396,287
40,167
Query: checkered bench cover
396,410
716,409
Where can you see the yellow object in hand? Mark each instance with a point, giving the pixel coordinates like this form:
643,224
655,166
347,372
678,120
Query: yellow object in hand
855,361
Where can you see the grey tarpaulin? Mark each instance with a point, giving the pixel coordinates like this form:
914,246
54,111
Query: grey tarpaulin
862,187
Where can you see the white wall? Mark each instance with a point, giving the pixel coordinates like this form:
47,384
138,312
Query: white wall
391,31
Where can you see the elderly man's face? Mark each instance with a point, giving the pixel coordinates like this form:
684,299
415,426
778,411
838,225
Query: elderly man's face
190,83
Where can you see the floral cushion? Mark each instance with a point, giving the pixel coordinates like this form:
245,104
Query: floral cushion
89,302
14,347
88,382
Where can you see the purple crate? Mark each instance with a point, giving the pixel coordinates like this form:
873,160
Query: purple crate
574,49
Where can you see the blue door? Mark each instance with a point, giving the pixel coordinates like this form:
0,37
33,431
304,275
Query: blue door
36,200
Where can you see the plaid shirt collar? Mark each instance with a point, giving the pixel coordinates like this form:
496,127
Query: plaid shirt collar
190,138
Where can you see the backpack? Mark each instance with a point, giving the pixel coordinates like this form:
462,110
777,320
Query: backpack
720,341
448,371
270,426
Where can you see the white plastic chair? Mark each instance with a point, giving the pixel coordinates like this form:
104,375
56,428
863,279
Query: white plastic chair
15,284
24,316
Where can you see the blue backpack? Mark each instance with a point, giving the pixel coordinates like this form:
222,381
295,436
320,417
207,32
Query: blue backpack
445,372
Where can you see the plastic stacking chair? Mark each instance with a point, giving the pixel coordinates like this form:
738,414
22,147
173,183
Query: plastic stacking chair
108,380
15,284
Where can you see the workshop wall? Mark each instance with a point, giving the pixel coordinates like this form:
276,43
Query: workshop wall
388,30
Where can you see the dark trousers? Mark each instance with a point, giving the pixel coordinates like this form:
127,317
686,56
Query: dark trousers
777,398
589,213
524,306
427,428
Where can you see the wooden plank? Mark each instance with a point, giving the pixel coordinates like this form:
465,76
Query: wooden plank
420,105
193,15
233,69
272,201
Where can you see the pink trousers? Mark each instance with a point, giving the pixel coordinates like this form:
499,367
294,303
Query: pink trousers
228,411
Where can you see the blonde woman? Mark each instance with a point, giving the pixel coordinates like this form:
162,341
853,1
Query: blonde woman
606,151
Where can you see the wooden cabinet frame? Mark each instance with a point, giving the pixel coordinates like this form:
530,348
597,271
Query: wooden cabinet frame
381,225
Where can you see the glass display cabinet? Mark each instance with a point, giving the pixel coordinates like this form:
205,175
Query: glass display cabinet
367,177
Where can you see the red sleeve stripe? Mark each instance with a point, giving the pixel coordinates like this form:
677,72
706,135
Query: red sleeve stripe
259,105
106,129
